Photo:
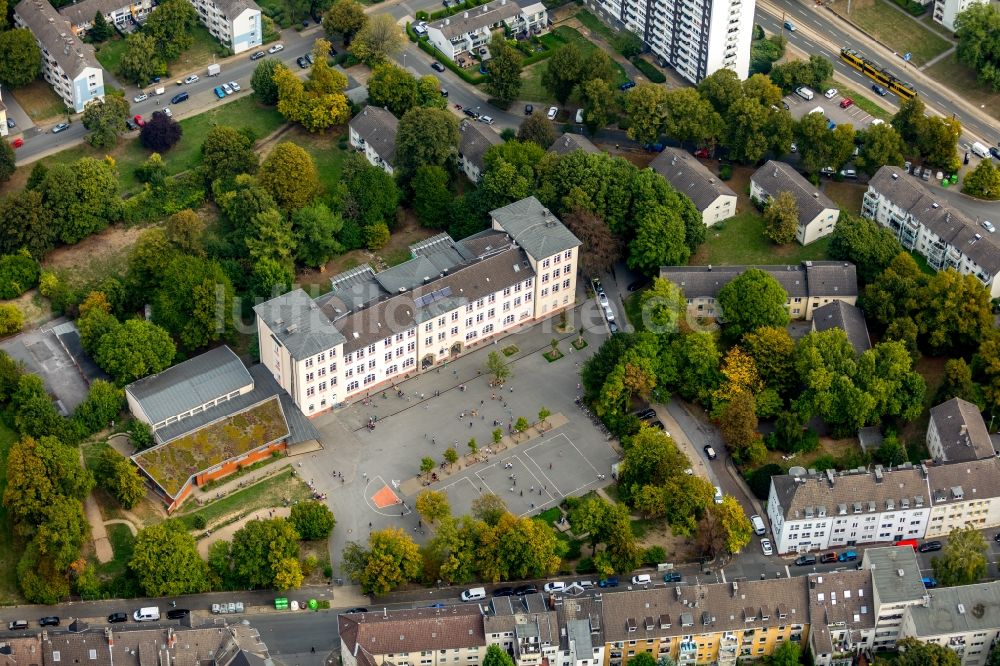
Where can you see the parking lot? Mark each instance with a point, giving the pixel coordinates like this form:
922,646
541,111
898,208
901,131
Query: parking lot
854,115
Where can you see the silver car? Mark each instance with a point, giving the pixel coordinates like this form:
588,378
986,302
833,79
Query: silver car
192,79
60,127
235,86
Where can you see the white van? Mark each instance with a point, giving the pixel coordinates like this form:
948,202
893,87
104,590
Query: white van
758,525
148,614
474,594
805,93
980,149
641,579
718,495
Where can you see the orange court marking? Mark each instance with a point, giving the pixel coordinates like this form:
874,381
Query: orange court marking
385,498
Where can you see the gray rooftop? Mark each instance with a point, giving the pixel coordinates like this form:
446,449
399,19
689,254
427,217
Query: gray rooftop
55,33
233,8
299,324
808,497
955,610
964,481
775,177
842,597
534,228
475,140
951,225
378,128
884,564
962,430
848,318
477,18
689,176
84,11
815,279
187,385
569,142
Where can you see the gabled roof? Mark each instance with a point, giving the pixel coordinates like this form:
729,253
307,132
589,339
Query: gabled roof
689,176
475,140
776,177
84,11
808,497
532,226
55,33
848,318
971,480
569,142
962,431
415,630
233,8
476,19
815,279
180,388
378,128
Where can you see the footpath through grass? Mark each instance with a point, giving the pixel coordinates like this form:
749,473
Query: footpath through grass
741,240
899,30
270,492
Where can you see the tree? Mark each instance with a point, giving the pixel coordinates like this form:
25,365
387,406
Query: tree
956,312
488,508
869,245
641,658
344,18
103,404
316,227
392,87
194,301
166,562
781,218
316,104
891,451
659,239
379,39
520,425
133,350
450,455
498,368
938,140
751,300
896,292
497,656
978,46
227,152
184,229
786,654
772,350
290,176
369,195
312,520
259,548
689,117
564,71
725,527
663,307
503,81
813,139
20,58
160,133
39,471
431,196
425,137
429,93
7,162
172,27
265,89
18,273
120,477
11,319
524,548
913,652
76,196
600,249
598,102
957,383
391,560
651,458
983,182
963,560
106,120
537,129
432,505
738,424
881,145
100,31
140,61
426,465
645,105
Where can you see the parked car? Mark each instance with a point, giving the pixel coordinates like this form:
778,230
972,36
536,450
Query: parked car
301,62
49,621
612,326
646,414
179,97
627,85
17,143
710,452
765,546
11,124
827,558
657,425
192,79
641,579
528,109
471,113
929,546
258,55
608,313
831,93
437,67
277,47
553,111
235,86
794,147
227,89
988,226
503,592
130,124
701,152
138,120
879,90
846,102
114,618
994,151
847,556
828,171
309,58
717,498
177,613
610,581
17,625
486,119
219,92
671,577
929,582
602,298
359,609
141,97
554,586
805,560
522,590
60,127
848,173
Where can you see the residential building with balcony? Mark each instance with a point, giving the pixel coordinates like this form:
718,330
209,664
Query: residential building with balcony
235,23
841,615
472,29
582,640
373,132
474,140
957,432
374,328
848,318
713,198
68,65
946,11
945,236
525,627
809,285
963,494
569,142
122,14
964,619
817,212
695,37
897,584
820,511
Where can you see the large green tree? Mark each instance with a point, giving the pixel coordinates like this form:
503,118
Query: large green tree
8,161
867,244
431,196
503,82
977,29
344,18
914,652
133,350
751,300
76,196
166,562
316,228
194,301
563,72
497,656
392,87
20,58
644,105
103,404
265,89
312,520
39,471
377,40
781,218
983,182
105,120
881,145
227,152
290,176
259,550
425,137
140,61
688,116
963,561
120,477
391,560
955,312
172,26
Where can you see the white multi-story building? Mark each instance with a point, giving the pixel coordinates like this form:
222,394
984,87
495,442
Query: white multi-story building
963,494
68,64
945,236
375,328
964,619
841,615
817,212
373,132
695,37
897,585
829,510
235,23
946,11
118,13
473,28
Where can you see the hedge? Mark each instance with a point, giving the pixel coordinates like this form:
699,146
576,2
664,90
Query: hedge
650,70
914,8
475,78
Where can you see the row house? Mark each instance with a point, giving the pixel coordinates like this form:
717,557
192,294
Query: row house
122,14
235,23
809,285
817,213
842,616
472,29
712,197
963,494
374,328
945,236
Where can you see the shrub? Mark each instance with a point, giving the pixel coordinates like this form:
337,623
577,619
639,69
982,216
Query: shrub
199,521
725,171
11,319
627,43
649,70
18,273
585,565
654,555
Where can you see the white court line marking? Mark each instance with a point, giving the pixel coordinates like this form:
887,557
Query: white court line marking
465,479
578,451
379,481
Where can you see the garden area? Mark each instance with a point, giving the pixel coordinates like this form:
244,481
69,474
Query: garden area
531,78
901,32
280,489
741,240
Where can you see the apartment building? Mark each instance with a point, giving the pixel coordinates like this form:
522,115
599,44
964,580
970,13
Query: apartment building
848,318
820,511
452,296
451,636
235,23
842,616
373,132
695,37
471,30
809,285
569,142
525,627
713,198
963,494
474,140
946,11
945,236
122,14
964,619
68,65
817,212
957,432
897,585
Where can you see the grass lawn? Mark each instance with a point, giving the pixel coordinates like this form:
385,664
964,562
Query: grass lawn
40,102
110,54
9,552
951,72
200,54
531,78
270,492
899,30
594,24
847,194
633,310
123,543
741,241
326,153
862,102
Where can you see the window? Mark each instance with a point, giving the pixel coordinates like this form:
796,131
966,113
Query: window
410,333
371,349
441,321
545,292
506,306
468,308
506,292
387,341
309,363
408,362
388,356
399,337
568,254
527,297
479,318
545,264
493,298
371,364
428,326
349,373
310,376
361,368
565,284
442,335
454,315
361,353
392,369
492,312
479,303
555,288
321,372
429,339
311,391
321,357
470,335
349,358
487,329
509,319
322,386
545,278
556,259
353,386
410,346
369,379
517,301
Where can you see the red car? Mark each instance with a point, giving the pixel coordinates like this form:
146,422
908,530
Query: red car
17,143
701,152
846,102
139,121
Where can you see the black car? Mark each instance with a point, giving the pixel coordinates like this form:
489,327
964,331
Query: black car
611,581
258,55
503,592
657,424
996,537
645,414
359,609
309,58
627,85
671,577
11,124
130,124
179,97
49,621
522,590
805,560
613,327
444,92
470,113
177,613
929,546
437,67
117,617
528,109
301,62
995,152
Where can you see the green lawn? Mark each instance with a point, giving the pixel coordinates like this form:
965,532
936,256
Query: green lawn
9,552
268,493
741,241
326,153
531,78
595,25
950,72
110,54
203,50
897,29
123,543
